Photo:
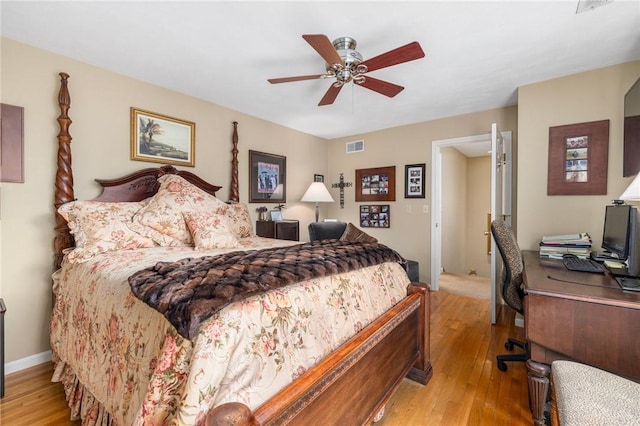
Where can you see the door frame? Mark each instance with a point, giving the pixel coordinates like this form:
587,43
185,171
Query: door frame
436,191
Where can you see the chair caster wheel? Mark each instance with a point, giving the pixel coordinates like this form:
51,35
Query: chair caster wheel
502,366
508,346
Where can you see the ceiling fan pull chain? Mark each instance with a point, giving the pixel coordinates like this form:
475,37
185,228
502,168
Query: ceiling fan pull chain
353,98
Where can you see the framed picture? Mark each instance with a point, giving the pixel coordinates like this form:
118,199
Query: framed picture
414,180
161,139
318,178
375,216
267,178
377,184
578,159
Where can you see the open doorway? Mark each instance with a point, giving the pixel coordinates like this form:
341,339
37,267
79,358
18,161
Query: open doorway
465,204
477,225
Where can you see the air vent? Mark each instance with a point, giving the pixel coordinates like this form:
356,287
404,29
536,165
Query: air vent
355,146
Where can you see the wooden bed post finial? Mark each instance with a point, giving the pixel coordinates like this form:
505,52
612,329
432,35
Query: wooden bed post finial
64,175
234,192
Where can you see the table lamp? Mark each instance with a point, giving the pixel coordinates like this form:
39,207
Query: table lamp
632,192
317,193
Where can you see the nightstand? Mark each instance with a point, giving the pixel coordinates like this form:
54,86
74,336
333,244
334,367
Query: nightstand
279,229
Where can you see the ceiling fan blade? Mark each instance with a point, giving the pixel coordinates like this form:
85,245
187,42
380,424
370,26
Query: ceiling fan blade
406,53
298,78
324,47
330,96
381,86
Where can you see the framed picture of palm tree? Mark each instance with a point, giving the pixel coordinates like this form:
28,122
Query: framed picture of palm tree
161,139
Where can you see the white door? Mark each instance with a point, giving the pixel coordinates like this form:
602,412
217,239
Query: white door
497,211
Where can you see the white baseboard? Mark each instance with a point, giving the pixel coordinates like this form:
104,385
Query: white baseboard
30,361
519,322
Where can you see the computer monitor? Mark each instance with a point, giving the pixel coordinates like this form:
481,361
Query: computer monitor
617,230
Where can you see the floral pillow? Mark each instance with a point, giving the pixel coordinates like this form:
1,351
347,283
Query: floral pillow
241,224
210,230
99,227
162,220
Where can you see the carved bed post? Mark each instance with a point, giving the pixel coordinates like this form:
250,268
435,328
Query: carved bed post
64,174
234,193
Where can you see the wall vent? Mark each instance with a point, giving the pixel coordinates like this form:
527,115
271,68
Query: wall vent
355,146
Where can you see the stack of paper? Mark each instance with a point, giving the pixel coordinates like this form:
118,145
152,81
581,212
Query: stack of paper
554,246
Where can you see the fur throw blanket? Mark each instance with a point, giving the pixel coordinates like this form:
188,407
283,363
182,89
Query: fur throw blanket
189,291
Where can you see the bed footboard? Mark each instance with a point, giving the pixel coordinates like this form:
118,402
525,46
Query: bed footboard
355,381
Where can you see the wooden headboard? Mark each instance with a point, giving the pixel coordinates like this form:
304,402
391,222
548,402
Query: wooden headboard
135,186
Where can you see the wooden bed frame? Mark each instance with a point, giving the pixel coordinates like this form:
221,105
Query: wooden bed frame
354,382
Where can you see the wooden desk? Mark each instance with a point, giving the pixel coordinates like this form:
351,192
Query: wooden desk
578,316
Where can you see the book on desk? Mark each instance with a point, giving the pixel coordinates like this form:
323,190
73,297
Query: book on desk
556,246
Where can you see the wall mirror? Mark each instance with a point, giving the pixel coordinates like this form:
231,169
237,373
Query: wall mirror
631,164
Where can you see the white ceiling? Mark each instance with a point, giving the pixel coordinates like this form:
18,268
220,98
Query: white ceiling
477,53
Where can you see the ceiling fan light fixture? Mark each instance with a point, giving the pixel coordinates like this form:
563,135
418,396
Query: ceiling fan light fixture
359,79
344,64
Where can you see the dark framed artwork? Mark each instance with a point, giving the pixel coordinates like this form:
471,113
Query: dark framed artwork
414,180
162,139
578,159
378,184
318,178
267,178
375,216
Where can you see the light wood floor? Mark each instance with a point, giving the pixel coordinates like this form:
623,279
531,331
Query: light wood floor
466,388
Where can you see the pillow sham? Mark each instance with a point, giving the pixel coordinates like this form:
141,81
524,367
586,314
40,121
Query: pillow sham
162,220
100,227
238,214
353,233
210,230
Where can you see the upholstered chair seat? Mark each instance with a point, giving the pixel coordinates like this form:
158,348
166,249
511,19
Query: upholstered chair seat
585,395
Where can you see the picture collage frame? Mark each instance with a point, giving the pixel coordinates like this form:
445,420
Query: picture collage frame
375,216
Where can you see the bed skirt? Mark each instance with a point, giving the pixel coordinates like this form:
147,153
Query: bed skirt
84,406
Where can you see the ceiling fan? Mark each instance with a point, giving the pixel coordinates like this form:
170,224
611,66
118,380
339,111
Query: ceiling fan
345,64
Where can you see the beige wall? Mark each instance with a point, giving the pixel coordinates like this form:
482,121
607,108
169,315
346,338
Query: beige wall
466,200
585,97
100,102
454,210
479,205
410,231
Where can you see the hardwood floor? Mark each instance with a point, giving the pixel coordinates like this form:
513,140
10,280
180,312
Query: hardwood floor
466,388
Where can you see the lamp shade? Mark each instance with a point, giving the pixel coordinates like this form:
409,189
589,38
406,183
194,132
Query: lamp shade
317,193
633,190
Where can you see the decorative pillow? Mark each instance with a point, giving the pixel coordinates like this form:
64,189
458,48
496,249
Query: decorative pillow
241,224
161,219
210,230
353,233
99,227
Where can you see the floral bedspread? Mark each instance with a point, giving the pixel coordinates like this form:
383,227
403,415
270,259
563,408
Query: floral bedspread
142,371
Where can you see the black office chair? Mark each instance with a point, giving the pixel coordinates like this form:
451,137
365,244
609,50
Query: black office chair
512,282
326,230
